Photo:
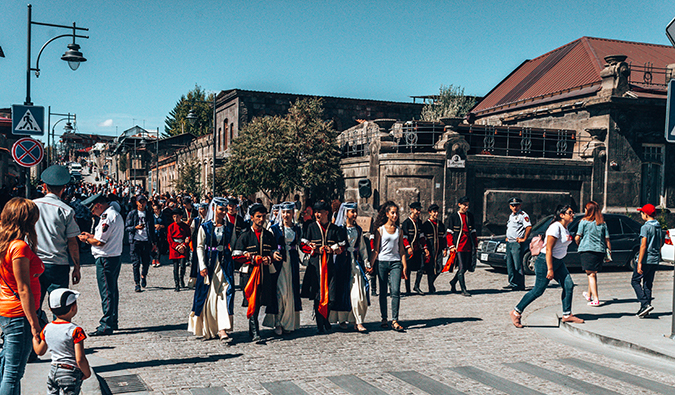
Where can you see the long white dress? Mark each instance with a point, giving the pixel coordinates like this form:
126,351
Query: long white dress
214,316
287,318
357,286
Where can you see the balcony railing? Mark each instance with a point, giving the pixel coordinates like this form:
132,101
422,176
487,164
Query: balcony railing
648,75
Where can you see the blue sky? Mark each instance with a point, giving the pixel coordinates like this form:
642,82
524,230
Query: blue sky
143,55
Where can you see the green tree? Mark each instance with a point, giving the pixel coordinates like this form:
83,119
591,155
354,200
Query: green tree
279,155
122,164
197,100
451,102
188,179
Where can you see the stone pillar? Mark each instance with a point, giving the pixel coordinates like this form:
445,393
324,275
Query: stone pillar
455,179
595,151
614,76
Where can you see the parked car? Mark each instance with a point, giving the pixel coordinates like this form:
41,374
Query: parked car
76,175
668,250
624,235
75,167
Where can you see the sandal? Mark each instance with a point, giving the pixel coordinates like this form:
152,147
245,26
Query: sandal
384,324
397,327
360,328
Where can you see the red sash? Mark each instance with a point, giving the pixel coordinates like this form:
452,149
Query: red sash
251,290
323,302
449,265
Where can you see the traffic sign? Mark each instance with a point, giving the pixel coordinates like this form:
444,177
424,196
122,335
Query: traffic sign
28,120
670,31
27,152
670,113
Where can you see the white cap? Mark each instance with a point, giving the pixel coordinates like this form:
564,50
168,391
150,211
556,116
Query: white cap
62,297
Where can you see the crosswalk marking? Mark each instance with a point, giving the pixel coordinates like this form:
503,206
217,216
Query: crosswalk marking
495,382
283,388
561,379
355,385
621,376
425,383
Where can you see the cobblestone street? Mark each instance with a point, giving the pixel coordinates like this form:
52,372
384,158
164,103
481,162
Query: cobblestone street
457,343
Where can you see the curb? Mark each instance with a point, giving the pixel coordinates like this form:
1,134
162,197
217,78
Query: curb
610,341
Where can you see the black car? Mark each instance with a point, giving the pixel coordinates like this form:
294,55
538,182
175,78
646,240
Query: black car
624,235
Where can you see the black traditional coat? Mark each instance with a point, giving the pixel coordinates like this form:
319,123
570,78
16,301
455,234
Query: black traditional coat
248,242
332,237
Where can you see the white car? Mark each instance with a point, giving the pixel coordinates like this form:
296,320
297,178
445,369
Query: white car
76,167
668,250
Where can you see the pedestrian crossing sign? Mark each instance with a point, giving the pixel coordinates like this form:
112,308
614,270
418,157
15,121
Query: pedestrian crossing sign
28,120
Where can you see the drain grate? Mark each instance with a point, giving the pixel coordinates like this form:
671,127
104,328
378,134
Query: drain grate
126,383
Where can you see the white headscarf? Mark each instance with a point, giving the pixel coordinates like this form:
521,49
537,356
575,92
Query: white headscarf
341,217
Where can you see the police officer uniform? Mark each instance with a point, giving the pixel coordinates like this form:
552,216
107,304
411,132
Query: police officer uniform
56,235
516,228
110,231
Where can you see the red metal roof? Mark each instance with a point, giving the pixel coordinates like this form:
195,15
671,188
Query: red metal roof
568,68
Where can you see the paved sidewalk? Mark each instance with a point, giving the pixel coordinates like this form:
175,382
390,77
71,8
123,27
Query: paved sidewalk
614,322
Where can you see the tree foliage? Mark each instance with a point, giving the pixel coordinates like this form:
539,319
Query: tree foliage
122,164
280,155
188,179
197,100
451,102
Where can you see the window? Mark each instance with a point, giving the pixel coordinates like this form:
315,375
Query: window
613,225
630,226
652,174
225,135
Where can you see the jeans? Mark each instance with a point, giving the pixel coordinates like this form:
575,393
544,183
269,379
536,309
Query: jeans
107,273
643,291
514,265
560,274
389,272
140,255
17,344
64,381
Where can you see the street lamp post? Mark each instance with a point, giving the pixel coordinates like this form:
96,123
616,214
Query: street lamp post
68,128
73,55
192,117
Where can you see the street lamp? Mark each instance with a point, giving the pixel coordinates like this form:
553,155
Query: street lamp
68,128
73,55
192,117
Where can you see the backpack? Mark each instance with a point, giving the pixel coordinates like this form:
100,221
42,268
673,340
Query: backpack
536,245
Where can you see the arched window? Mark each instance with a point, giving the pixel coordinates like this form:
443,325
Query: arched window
224,136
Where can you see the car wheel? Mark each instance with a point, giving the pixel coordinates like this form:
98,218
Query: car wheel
632,262
528,263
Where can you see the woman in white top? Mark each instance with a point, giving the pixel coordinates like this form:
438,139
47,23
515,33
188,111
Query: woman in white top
550,266
392,264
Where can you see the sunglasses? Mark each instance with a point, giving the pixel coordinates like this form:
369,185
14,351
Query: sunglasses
570,212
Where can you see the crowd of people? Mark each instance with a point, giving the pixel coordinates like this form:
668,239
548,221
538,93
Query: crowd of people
218,237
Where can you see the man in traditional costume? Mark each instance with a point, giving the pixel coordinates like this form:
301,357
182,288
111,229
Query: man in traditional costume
213,306
436,246
194,229
323,241
239,226
413,240
257,250
351,283
288,235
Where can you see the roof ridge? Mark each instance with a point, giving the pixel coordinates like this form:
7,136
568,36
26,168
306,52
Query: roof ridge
591,52
626,41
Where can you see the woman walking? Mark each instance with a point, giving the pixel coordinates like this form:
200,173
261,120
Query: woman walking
593,240
20,269
392,264
351,288
549,266
213,306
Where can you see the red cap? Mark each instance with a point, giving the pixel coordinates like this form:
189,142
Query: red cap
648,209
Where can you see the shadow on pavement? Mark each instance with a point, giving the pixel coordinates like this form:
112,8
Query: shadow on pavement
419,324
159,328
163,362
618,301
93,350
593,317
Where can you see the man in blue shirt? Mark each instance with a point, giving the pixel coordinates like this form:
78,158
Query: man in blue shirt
651,241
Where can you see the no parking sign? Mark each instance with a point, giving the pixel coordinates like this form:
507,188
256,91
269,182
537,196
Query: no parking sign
27,152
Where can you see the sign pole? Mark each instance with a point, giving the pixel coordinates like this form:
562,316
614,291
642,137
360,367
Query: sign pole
670,137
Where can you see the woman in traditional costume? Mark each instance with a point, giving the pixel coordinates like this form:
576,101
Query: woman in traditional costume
288,236
213,305
351,284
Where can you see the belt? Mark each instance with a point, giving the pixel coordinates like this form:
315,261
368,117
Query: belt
65,366
178,240
218,248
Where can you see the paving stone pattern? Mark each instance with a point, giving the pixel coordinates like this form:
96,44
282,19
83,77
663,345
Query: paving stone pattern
450,340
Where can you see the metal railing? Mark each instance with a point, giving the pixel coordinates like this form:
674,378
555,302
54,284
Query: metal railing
649,75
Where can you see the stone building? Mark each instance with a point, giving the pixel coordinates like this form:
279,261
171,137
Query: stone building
582,122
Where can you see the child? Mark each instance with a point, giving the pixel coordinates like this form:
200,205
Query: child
65,341
651,241
178,236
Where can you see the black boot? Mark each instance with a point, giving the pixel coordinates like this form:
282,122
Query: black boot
373,286
418,280
407,285
453,284
462,284
253,329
